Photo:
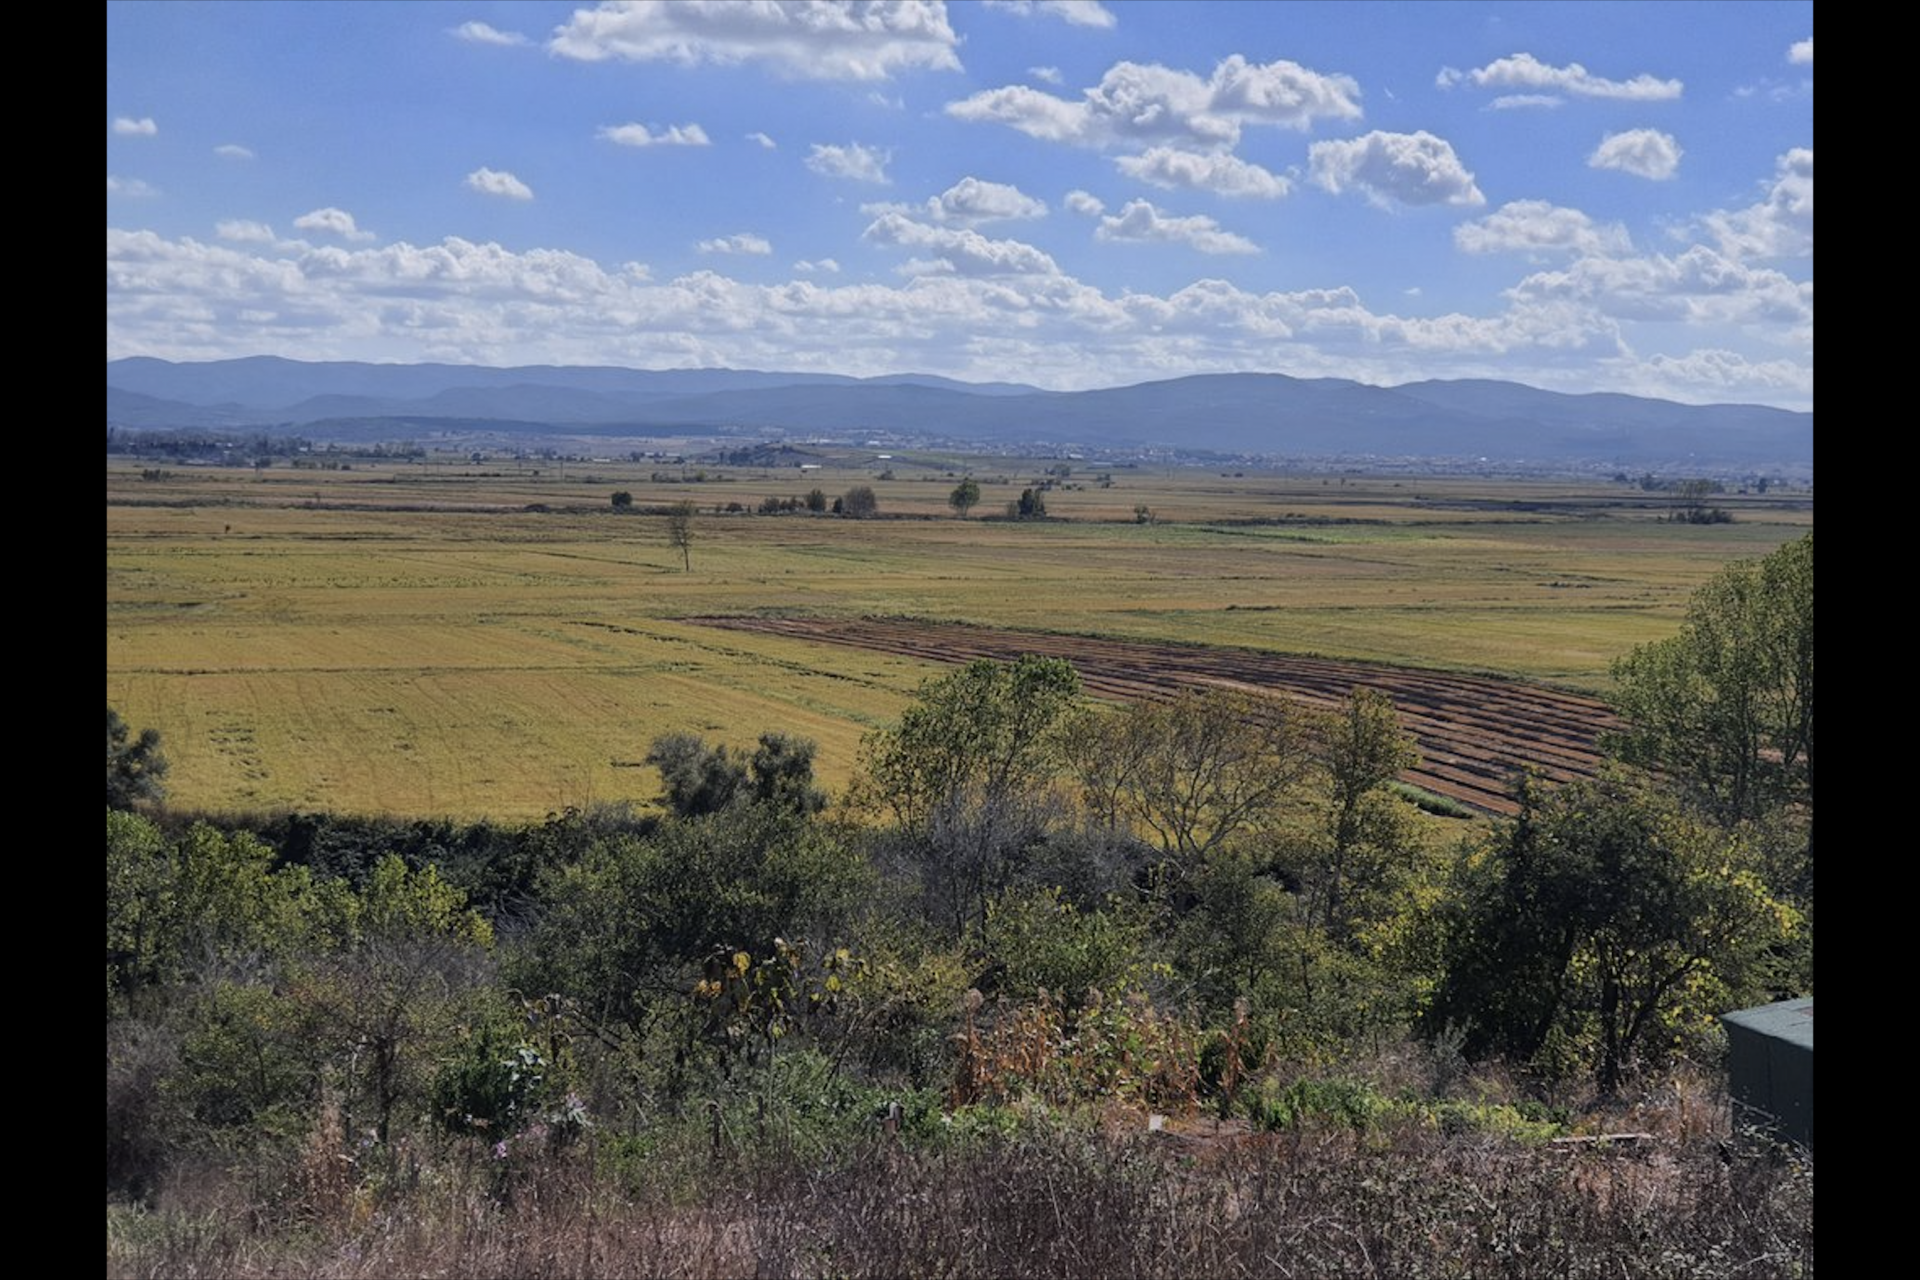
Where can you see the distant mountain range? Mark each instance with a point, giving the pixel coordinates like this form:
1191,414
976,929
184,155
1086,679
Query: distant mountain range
1232,413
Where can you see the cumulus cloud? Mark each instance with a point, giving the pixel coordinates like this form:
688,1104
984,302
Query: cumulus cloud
1085,203
1139,221
971,202
1137,103
244,231
497,182
1717,375
138,188
958,251
763,140
639,135
1645,153
1698,286
823,266
1079,13
481,33
1800,53
1395,168
333,222
459,301
744,242
232,151
1524,71
1222,174
1781,225
127,127
1538,227
854,162
868,41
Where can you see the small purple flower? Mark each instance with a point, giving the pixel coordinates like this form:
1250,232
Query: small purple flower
500,1149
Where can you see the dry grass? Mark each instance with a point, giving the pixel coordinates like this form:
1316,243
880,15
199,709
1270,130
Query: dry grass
412,641
1323,1204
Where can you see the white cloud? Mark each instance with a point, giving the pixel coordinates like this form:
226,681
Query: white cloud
823,266
1537,227
333,222
639,135
1516,101
1141,222
763,140
854,162
1801,52
958,251
127,127
1404,168
1645,153
744,242
481,33
1524,71
232,151
962,312
245,231
1049,75
971,202
1715,375
1079,13
1698,286
496,182
1779,226
138,188
1085,202
1222,174
1138,103
868,41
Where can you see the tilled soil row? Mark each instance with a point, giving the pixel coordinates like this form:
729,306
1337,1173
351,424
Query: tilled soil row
1475,732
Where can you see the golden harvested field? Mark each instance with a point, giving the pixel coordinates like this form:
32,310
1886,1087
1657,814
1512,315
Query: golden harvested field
410,639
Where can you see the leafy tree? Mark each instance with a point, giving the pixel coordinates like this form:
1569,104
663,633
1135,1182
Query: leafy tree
1362,748
965,496
632,923
859,503
987,731
135,768
701,779
816,501
1032,505
1195,772
965,774
1725,708
1602,913
622,500
680,532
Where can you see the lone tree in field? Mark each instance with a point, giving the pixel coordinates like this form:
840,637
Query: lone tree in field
622,500
680,532
965,496
860,503
134,768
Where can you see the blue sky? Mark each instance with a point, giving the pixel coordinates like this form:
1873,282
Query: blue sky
1585,197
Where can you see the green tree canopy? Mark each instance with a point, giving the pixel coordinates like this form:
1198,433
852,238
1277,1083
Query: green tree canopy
965,496
135,767
1725,708
983,733
1603,912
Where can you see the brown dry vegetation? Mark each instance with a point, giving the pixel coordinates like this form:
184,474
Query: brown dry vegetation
1322,1203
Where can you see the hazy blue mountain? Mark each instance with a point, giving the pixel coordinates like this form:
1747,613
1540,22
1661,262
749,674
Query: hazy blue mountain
1252,413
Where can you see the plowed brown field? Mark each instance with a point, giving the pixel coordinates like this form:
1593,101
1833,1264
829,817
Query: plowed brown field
1474,732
